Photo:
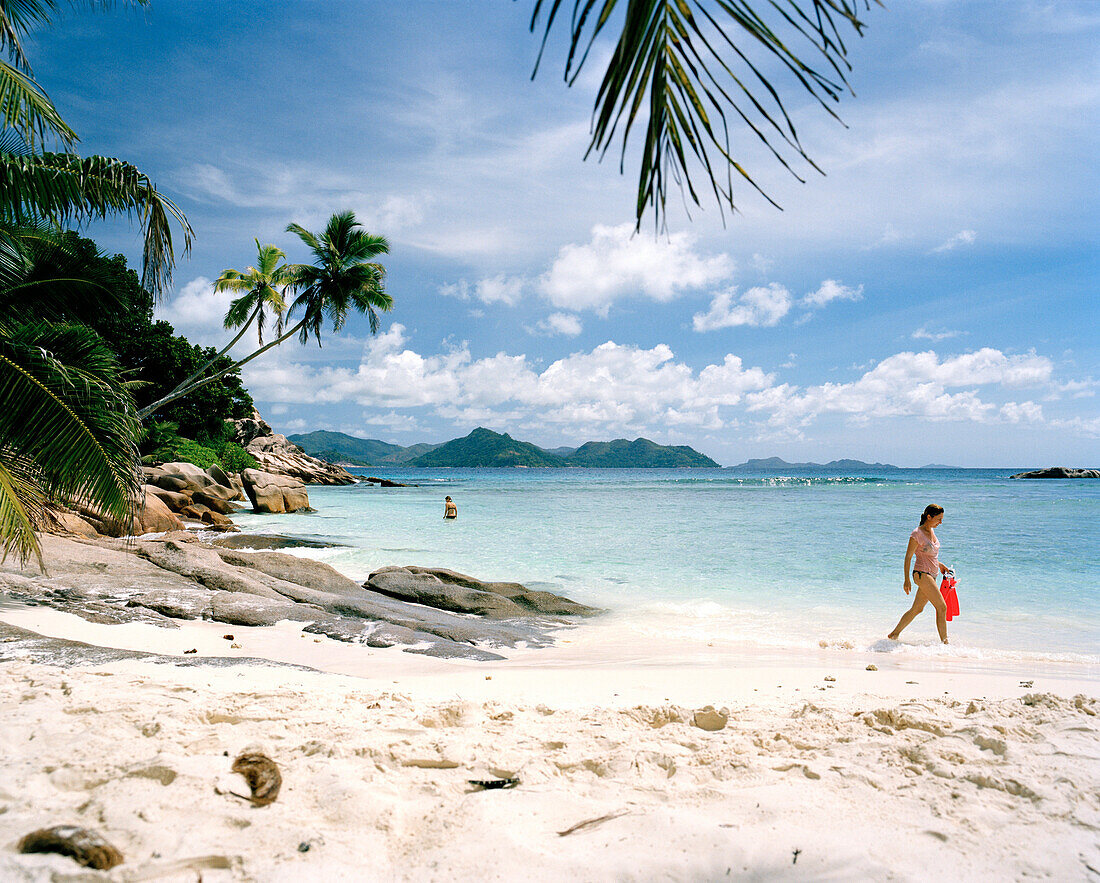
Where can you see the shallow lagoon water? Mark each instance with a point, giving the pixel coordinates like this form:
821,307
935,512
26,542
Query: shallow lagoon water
714,557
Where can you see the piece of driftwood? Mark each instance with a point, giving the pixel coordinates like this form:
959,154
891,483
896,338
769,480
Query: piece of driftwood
592,823
85,847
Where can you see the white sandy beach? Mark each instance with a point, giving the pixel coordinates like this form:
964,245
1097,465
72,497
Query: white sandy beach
965,773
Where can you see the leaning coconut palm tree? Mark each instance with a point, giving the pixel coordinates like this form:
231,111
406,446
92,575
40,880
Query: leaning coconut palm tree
689,70
263,287
344,277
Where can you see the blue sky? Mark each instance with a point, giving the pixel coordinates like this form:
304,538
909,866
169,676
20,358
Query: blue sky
933,298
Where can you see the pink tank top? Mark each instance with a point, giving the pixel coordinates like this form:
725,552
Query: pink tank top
928,551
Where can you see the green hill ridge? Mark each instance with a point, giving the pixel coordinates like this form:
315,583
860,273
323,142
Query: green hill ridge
483,447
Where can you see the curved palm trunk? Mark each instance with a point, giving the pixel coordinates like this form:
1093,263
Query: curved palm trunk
180,391
185,385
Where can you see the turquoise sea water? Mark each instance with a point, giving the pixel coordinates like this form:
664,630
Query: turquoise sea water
706,556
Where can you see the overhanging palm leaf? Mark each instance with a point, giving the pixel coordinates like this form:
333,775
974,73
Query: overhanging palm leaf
43,277
66,422
65,188
26,108
678,61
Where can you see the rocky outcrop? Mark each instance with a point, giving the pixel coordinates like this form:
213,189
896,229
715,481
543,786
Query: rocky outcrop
1059,472
154,517
274,493
448,590
176,576
278,456
204,495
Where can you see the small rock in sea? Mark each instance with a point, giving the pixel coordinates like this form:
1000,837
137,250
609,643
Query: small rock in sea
85,847
707,718
872,667
830,678
303,846
262,775
192,650
488,677
228,637
234,646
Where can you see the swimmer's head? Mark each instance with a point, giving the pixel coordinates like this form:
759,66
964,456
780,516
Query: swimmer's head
930,511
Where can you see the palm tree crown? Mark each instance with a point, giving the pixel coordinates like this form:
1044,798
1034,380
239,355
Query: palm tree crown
343,277
262,286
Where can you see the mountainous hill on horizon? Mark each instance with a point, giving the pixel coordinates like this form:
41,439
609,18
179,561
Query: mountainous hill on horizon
339,447
640,453
769,464
483,447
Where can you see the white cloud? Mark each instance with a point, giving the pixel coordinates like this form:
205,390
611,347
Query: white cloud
1021,412
559,323
616,263
197,312
914,385
963,237
759,306
618,386
829,291
923,333
502,289
393,420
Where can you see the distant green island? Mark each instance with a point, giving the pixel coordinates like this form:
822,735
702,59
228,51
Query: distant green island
774,464
483,447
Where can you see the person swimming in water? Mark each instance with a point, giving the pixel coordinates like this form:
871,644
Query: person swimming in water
924,546
450,510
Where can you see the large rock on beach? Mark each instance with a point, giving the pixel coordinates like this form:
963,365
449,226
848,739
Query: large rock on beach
177,576
154,517
1059,472
274,493
448,590
279,456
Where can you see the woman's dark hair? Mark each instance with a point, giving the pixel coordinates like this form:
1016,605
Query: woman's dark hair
931,511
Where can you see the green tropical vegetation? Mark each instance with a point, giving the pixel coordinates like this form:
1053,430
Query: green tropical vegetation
693,70
68,424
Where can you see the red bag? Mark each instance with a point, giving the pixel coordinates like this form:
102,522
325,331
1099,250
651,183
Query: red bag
950,596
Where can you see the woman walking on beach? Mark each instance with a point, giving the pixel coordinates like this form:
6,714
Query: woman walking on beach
926,548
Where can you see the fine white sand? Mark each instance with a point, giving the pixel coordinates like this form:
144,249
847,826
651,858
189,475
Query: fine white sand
949,769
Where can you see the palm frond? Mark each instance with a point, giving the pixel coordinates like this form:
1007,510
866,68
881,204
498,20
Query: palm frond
64,409
27,109
686,68
22,503
66,188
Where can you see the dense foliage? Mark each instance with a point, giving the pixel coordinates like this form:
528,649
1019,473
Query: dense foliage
155,356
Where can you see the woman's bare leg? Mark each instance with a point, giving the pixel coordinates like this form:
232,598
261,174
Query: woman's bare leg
926,587
908,616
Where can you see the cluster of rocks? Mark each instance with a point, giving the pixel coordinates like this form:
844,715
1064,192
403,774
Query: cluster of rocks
279,456
1058,472
159,580
174,494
